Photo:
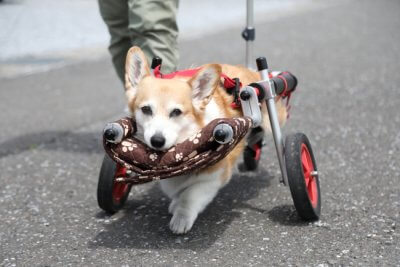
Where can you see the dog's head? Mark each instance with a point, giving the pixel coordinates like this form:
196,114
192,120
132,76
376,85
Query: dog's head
167,111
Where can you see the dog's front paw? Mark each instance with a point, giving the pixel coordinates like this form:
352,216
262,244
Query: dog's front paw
182,221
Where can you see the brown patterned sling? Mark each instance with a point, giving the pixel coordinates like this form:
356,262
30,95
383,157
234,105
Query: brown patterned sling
192,155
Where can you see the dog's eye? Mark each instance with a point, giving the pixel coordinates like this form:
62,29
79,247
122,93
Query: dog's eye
175,113
147,110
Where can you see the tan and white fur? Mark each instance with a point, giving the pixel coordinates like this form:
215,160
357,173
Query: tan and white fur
168,111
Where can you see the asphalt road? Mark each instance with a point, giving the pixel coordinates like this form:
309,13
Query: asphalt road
346,56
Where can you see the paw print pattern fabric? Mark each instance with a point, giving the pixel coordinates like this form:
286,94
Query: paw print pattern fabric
195,153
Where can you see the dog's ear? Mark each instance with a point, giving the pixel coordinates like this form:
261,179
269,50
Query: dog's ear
203,85
136,67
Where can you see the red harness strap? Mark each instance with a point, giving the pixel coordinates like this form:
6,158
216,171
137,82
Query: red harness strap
183,73
229,83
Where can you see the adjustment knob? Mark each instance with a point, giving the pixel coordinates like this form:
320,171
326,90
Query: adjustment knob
223,133
110,134
245,95
113,133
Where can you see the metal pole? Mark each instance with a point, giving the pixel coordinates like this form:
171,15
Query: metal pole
250,10
249,33
273,117
276,131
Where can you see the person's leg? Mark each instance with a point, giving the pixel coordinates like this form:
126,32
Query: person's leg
115,15
154,29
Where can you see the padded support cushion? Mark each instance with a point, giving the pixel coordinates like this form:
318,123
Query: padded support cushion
192,155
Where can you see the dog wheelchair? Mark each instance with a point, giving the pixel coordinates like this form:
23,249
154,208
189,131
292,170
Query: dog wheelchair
128,161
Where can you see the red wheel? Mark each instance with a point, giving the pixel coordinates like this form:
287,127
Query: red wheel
111,194
310,180
303,176
119,188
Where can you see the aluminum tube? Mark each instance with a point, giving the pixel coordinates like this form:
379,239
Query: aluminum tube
276,129
249,24
276,132
250,14
249,54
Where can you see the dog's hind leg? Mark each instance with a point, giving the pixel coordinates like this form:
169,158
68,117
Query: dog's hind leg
193,200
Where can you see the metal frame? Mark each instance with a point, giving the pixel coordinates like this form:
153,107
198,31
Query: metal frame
250,105
269,90
273,118
249,34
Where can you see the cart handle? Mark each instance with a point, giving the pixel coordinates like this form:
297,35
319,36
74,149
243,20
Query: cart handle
284,83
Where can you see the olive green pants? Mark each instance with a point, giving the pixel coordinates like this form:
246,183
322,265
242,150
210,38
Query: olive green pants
149,24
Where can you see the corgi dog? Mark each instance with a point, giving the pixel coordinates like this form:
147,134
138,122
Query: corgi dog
168,111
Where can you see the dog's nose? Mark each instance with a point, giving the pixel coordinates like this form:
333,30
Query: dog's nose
157,140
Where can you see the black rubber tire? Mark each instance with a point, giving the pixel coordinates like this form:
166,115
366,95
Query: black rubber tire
296,179
105,187
249,161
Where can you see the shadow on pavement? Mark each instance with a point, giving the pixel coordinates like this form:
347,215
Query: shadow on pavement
81,142
144,222
286,215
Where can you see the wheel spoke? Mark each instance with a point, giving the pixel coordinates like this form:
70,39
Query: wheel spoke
309,180
314,188
310,184
306,169
305,163
310,190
